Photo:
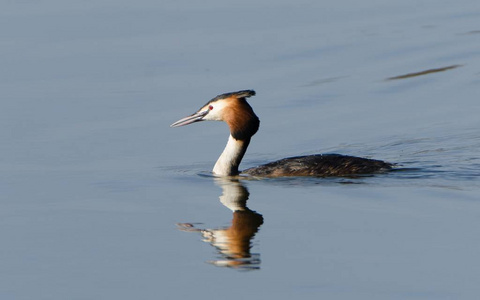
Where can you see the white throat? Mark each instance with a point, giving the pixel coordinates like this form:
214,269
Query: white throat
228,162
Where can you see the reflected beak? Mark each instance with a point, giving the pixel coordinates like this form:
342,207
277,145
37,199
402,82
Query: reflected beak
196,117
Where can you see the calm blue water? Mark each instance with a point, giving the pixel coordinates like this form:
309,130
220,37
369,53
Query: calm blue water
100,199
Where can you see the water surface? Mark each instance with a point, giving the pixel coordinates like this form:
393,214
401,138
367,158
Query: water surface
100,199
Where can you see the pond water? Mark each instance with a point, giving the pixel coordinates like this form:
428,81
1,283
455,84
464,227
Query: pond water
100,199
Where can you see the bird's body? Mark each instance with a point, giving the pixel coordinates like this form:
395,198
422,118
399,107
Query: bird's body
234,109
323,165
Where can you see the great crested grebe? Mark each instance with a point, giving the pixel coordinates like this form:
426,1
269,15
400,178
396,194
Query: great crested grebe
233,109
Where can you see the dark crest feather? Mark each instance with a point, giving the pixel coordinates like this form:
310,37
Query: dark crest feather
239,94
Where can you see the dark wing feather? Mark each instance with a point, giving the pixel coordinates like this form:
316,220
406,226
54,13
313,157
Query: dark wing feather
322,165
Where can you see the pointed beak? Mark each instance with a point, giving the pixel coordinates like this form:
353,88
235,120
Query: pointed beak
196,117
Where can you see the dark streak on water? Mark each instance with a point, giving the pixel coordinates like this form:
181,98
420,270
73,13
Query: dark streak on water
425,72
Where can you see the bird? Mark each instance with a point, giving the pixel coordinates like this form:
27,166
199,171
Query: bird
233,109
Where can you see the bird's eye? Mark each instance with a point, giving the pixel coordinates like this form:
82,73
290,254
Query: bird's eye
210,107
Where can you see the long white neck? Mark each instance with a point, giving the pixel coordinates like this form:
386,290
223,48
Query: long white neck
228,162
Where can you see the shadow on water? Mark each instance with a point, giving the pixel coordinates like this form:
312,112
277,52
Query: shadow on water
233,243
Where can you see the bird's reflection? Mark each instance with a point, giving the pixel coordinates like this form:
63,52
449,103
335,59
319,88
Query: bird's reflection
233,243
